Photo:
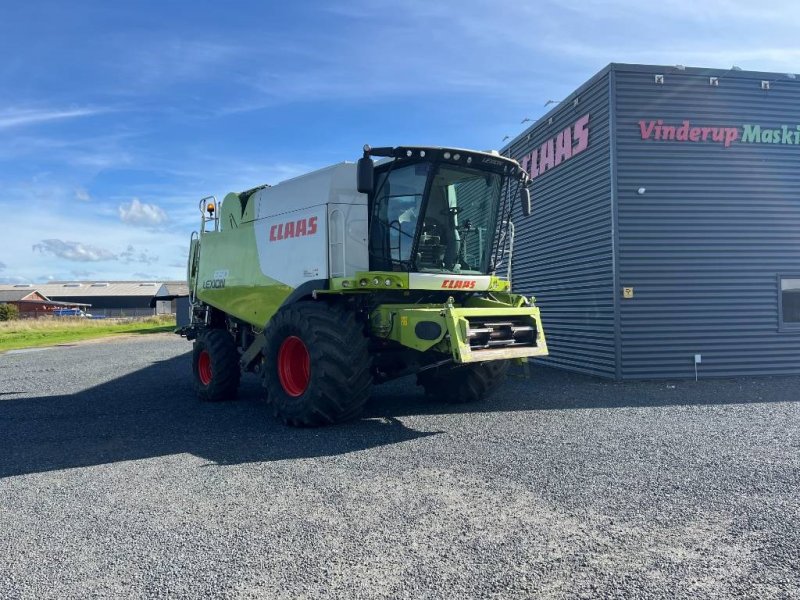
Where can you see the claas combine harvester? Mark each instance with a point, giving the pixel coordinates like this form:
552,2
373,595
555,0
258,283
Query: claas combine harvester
358,273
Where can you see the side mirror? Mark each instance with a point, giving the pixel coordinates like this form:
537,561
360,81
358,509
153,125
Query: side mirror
365,175
525,200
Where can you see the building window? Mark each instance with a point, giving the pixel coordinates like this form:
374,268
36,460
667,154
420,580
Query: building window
789,301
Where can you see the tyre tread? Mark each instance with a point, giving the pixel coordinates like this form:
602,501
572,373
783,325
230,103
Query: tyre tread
341,382
226,372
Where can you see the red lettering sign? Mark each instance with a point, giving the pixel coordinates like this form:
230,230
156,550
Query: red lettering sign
656,129
552,152
293,229
459,284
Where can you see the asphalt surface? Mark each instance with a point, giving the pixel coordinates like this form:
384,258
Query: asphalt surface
116,482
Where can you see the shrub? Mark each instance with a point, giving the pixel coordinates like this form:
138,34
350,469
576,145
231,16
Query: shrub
8,312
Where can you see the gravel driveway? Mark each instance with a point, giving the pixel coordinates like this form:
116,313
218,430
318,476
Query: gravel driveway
115,482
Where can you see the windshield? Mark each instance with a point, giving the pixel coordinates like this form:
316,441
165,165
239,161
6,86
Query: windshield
448,231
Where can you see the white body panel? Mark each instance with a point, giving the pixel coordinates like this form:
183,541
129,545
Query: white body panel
436,281
312,227
347,239
289,257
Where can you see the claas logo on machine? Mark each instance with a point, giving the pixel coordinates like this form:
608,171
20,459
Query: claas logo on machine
459,284
293,229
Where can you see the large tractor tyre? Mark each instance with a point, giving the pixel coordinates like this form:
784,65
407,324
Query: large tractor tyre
466,383
317,364
215,362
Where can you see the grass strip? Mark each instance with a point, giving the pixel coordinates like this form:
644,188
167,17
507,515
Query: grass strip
31,333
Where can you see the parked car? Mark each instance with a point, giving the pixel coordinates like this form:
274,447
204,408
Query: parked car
71,312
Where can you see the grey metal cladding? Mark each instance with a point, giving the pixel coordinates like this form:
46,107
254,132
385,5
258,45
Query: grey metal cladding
563,252
703,245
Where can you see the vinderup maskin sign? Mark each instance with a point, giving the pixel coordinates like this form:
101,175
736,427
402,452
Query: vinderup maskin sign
657,129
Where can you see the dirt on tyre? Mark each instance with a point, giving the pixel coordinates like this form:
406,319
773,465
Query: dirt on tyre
317,364
460,384
215,363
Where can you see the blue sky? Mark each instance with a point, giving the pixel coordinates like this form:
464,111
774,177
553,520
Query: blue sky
117,117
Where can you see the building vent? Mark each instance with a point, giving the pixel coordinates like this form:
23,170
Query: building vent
72,285
100,284
23,285
147,285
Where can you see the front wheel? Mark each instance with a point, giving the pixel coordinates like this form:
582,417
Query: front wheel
459,384
317,364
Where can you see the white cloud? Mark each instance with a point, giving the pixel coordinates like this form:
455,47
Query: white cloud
141,213
15,117
2,266
79,252
132,255
74,251
82,195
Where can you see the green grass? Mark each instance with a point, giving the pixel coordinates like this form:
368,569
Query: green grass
29,333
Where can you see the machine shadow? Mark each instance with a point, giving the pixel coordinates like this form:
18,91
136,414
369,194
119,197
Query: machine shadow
153,412
539,388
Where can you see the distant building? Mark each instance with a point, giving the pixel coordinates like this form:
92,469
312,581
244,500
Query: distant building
31,303
109,298
176,295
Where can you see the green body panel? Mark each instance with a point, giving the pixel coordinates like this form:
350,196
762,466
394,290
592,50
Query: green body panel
398,322
457,325
228,275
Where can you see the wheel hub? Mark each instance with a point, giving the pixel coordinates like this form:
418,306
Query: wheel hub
294,366
204,367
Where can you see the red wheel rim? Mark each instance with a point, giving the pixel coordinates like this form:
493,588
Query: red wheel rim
204,367
294,369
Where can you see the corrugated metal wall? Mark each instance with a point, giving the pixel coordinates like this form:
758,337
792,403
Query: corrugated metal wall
564,253
703,245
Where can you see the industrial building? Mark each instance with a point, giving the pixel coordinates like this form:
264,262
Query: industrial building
666,229
109,298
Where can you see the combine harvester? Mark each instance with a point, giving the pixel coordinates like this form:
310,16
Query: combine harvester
360,273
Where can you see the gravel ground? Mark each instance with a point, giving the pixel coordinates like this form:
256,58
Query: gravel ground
115,482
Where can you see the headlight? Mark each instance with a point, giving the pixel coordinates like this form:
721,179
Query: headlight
387,282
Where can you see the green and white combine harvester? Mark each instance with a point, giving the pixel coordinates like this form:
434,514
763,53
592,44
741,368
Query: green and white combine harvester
360,273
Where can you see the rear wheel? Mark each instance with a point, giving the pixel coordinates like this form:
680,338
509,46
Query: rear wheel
317,364
215,362
459,384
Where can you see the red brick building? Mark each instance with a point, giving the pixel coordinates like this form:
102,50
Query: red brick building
31,303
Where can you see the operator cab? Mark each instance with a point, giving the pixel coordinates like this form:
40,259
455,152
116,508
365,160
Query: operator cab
439,210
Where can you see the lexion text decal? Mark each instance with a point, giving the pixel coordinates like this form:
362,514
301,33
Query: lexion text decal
569,142
657,129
